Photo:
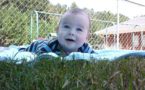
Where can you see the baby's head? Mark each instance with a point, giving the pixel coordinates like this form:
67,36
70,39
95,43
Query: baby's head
73,30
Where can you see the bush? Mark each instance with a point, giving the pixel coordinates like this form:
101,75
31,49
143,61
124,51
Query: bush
14,27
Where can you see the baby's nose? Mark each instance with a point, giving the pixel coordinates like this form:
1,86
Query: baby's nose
72,32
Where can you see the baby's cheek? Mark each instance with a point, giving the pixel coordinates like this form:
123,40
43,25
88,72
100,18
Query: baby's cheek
81,42
83,38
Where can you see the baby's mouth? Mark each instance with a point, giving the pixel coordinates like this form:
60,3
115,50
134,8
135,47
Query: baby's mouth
70,40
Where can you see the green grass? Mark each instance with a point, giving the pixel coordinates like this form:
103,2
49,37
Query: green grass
126,74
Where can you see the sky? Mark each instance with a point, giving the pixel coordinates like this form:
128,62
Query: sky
125,8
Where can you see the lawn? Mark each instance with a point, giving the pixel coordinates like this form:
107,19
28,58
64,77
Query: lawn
57,74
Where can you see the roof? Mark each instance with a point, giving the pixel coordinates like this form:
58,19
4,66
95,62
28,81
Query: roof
132,25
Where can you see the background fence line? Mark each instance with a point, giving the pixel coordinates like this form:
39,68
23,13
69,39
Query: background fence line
23,21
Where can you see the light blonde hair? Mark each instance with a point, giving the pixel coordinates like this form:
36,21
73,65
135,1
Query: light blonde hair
77,11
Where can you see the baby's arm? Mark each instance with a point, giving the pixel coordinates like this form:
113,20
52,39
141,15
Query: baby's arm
38,47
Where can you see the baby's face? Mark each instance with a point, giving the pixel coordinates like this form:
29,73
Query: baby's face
73,31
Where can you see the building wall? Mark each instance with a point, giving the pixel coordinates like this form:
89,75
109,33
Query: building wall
129,41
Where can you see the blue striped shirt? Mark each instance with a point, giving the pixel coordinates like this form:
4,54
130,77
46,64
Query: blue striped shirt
45,46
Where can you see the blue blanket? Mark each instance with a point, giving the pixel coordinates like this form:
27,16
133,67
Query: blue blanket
12,53
110,55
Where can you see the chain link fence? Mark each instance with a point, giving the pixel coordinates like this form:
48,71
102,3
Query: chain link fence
129,33
22,21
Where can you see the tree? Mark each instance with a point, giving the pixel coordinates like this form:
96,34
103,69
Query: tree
73,5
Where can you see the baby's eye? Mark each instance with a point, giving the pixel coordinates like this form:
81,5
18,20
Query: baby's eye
79,29
66,26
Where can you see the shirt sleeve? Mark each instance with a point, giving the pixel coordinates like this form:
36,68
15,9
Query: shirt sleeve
86,48
38,47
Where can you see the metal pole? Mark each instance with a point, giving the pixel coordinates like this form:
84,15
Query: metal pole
31,25
141,42
37,24
117,24
133,41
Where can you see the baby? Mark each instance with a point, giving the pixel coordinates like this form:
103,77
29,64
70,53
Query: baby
72,35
